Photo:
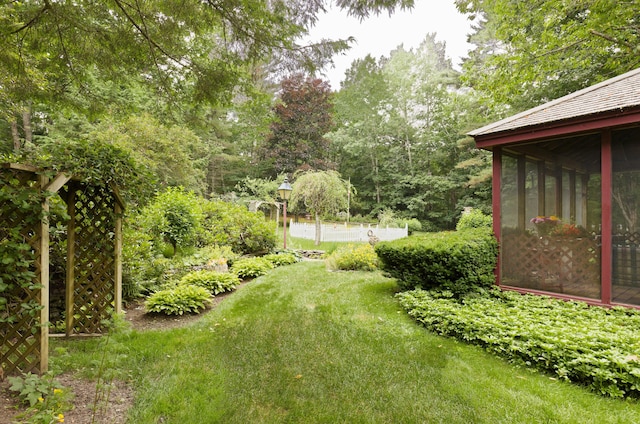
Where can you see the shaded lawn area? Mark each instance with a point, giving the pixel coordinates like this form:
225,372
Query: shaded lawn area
305,345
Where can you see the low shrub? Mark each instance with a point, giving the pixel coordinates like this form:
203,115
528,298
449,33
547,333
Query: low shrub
413,225
178,300
360,257
388,219
251,267
147,278
233,225
280,259
173,217
180,231
145,270
215,282
474,219
592,346
459,261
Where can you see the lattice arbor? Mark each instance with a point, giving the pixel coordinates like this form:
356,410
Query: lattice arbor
93,264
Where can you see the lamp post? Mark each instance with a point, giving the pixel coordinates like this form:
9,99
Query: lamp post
284,191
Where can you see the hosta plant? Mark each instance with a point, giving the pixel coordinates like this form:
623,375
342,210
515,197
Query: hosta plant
280,259
251,267
215,282
179,300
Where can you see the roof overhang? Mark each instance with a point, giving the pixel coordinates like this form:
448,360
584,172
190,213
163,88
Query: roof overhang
557,129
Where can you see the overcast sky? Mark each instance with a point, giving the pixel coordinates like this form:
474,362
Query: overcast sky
380,35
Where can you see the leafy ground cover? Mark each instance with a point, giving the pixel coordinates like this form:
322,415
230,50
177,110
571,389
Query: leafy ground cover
303,345
593,346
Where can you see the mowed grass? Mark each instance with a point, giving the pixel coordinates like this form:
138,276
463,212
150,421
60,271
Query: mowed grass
303,345
306,244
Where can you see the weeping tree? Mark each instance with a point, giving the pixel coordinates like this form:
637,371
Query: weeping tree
319,193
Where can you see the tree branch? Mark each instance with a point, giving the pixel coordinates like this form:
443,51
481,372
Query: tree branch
238,28
64,48
164,78
145,34
33,20
610,38
559,49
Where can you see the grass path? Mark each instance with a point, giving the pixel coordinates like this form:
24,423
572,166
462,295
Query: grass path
302,345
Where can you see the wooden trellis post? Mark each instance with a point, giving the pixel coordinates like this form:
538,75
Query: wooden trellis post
71,249
119,210
52,187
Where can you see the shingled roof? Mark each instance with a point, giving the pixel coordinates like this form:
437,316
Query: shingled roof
615,94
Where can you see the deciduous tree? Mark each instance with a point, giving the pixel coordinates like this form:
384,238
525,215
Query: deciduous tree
302,117
319,193
360,143
530,52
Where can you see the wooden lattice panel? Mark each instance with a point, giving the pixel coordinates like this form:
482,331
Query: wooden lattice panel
560,265
20,346
94,246
626,259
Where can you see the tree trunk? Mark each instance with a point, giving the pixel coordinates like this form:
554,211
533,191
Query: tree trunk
26,125
374,167
407,146
211,178
15,135
318,229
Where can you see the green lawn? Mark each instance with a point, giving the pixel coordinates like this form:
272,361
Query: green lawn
306,244
302,345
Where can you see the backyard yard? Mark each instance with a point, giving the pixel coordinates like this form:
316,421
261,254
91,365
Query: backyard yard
302,344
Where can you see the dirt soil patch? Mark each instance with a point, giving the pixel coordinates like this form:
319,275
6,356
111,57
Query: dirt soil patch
121,395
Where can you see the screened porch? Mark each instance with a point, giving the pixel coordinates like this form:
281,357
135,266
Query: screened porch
566,194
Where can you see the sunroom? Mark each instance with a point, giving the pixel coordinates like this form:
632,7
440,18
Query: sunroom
566,194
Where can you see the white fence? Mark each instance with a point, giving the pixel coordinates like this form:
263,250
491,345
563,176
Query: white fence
342,232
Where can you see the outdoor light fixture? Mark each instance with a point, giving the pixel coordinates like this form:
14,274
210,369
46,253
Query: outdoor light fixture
284,191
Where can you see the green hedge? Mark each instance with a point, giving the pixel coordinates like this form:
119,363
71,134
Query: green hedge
458,261
474,219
